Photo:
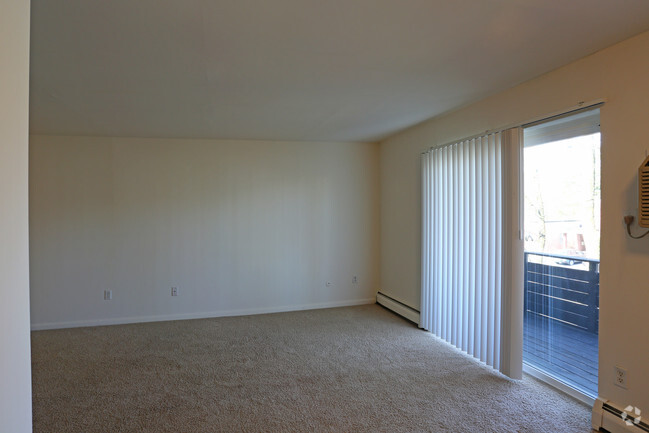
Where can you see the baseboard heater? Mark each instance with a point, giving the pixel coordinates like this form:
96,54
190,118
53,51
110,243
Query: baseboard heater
609,418
400,308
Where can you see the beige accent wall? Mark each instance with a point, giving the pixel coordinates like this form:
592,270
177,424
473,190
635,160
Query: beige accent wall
619,74
15,365
238,227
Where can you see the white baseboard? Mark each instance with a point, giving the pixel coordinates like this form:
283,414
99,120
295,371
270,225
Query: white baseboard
201,315
399,308
609,416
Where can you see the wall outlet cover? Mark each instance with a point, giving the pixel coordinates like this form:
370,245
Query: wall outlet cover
620,377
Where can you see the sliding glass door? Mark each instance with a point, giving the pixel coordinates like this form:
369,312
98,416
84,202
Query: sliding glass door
562,220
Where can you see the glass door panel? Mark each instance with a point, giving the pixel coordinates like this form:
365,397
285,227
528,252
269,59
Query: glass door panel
562,220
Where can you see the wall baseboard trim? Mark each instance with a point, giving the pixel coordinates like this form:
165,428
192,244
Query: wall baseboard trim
202,315
400,308
609,417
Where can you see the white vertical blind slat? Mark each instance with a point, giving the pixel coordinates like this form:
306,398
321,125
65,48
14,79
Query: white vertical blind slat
484,307
499,254
472,249
478,254
446,302
425,253
462,214
440,247
491,246
456,244
466,242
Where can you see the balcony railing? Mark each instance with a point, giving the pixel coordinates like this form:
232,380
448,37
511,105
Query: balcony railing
561,318
564,289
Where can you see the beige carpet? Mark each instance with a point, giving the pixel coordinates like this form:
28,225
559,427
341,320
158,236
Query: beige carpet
356,369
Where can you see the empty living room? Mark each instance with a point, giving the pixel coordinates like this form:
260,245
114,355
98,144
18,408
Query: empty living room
343,216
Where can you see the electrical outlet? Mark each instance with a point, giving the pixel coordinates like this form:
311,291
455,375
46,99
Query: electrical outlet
354,279
174,291
620,377
108,295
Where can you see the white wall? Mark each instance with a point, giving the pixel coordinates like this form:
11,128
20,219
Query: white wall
239,227
619,74
15,366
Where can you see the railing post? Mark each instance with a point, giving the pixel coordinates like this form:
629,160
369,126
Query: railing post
593,297
526,257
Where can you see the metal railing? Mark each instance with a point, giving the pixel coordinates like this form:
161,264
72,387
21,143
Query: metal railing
566,294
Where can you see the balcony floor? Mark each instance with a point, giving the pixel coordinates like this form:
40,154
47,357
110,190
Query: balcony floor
562,351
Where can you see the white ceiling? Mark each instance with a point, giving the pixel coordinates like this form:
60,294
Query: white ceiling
316,70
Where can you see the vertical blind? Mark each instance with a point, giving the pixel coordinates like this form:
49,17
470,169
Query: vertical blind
462,246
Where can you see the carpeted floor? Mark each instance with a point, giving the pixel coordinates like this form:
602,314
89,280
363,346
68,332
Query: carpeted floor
356,369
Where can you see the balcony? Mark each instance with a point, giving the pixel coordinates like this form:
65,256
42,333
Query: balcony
561,318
